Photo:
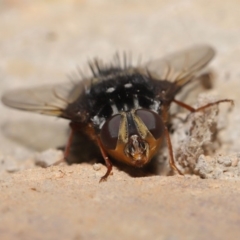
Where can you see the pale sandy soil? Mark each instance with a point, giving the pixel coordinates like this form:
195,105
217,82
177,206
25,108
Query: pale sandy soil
41,42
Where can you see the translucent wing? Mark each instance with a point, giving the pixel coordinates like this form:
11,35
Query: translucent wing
48,100
180,67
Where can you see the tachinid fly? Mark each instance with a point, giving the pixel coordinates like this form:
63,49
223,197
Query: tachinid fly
122,108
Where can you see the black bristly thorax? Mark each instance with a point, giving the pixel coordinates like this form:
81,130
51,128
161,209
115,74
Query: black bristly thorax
117,92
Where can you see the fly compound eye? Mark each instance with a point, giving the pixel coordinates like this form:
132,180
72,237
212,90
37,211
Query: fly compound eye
109,132
152,121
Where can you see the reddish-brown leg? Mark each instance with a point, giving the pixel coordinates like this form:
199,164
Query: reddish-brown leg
170,150
69,143
67,147
191,109
107,161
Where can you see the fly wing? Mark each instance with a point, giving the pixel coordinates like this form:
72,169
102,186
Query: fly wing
48,100
181,67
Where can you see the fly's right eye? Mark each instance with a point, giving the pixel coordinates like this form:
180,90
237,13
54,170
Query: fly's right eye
152,121
109,132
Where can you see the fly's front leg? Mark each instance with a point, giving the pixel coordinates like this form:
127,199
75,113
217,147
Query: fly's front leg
170,150
164,112
107,161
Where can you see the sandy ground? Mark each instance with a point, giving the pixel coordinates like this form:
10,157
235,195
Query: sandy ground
41,42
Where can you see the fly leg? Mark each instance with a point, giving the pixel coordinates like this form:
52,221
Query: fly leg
191,109
170,150
68,145
107,161
69,142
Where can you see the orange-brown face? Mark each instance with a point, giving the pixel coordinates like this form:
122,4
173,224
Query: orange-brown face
133,137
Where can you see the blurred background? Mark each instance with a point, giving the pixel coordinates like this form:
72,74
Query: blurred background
41,41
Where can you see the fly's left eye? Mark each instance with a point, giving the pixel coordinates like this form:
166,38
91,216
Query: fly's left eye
152,121
109,132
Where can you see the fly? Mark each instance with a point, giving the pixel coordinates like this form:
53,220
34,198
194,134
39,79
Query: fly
122,108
